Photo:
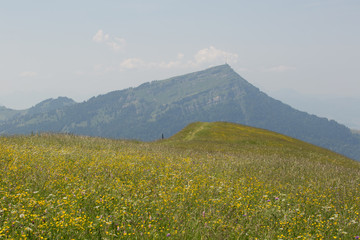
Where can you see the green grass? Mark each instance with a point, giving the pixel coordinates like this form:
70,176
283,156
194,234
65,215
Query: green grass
210,181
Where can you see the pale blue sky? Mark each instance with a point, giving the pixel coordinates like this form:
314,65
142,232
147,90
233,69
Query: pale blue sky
84,48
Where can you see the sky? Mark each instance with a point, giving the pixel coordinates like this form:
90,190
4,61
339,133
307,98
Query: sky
84,48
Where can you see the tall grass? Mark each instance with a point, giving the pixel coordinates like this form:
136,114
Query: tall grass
64,187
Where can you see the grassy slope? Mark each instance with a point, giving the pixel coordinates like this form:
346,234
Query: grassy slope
211,180
240,139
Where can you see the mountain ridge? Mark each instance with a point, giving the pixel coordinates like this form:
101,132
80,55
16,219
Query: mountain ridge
166,106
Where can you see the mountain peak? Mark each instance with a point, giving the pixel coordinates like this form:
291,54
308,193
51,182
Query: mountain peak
52,104
165,107
219,68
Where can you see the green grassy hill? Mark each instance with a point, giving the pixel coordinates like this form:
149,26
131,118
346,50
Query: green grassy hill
210,181
237,138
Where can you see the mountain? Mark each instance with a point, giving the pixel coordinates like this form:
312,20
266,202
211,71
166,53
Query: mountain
43,107
6,113
51,104
165,107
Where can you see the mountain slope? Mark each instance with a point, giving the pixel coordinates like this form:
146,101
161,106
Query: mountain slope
215,94
341,109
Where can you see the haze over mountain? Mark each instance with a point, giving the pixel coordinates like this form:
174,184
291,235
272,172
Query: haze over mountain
343,110
165,107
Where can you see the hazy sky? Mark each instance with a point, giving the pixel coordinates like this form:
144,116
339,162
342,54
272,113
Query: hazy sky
82,48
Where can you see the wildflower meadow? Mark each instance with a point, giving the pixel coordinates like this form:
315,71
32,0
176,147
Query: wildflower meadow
213,181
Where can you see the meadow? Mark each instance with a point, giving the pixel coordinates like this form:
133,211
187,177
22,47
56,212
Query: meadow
210,181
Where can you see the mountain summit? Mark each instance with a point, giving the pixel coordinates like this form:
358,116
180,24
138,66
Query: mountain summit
165,107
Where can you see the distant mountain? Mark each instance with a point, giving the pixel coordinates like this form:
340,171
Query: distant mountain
165,107
45,106
51,105
6,113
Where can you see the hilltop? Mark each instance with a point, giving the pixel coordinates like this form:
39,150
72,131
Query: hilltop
165,107
211,180
236,138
